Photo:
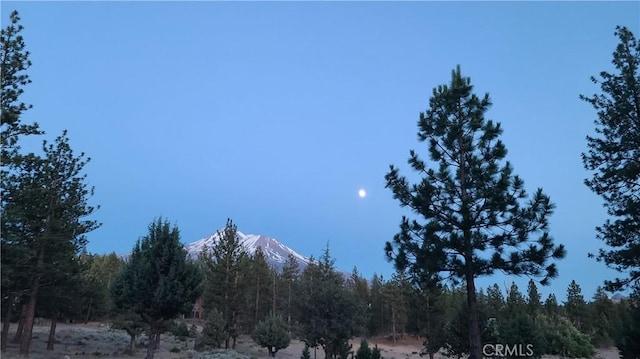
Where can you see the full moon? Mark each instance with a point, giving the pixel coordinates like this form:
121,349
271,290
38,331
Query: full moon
362,193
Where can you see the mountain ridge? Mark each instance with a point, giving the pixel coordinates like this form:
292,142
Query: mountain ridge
275,252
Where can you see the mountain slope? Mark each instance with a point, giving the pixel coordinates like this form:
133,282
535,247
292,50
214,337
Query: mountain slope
274,251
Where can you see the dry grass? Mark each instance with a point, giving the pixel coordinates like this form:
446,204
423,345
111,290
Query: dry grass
96,340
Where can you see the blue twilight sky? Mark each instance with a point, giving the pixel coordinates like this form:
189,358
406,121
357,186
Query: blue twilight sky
275,113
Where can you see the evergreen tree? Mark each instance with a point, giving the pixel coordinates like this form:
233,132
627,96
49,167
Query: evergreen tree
224,286
457,328
359,289
305,352
98,278
364,352
427,315
614,159
495,301
395,292
129,321
376,307
375,352
328,312
59,292
628,342
45,203
14,62
215,331
259,295
563,338
534,304
271,333
576,308
289,276
158,282
516,325
551,307
606,322
475,220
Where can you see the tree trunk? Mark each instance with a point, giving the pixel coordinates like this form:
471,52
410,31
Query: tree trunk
272,352
430,355
23,313
6,323
475,350
257,301
153,341
132,344
52,332
393,324
25,339
289,310
86,320
30,311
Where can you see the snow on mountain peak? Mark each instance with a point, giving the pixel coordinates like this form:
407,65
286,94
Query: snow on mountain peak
274,251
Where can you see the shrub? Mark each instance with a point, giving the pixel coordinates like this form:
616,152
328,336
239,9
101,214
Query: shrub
364,352
175,350
271,334
343,348
305,352
375,353
193,331
214,332
563,338
180,330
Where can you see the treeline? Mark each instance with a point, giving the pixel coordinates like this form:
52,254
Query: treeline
326,308
319,304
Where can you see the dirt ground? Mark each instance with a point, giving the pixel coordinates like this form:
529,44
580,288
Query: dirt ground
93,340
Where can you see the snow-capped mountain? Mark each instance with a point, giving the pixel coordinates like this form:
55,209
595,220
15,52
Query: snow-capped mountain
274,251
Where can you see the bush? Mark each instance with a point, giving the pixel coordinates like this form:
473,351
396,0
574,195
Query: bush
180,330
343,348
214,332
175,350
271,334
375,353
305,352
193,331
364,352
561,337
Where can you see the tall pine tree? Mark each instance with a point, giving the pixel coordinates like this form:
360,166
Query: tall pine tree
224,286
576,307
45,206
288,277
14,62
614,159
476,220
